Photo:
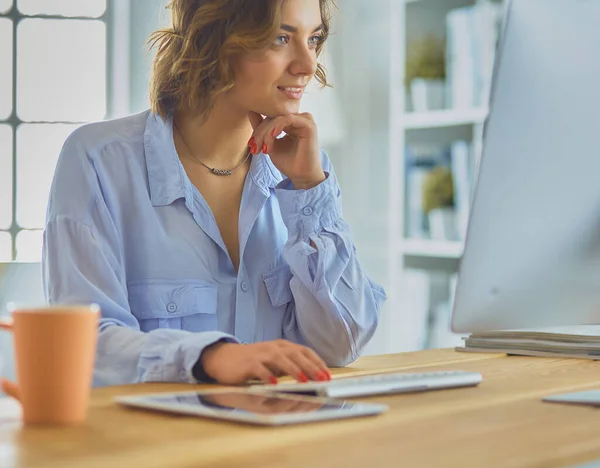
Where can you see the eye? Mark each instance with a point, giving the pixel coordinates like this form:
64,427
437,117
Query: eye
314,41
281,40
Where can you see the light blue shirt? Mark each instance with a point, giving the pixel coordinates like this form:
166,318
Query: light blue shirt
126,229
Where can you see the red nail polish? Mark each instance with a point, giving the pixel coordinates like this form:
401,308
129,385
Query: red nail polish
273,133
302,377
273,380
321,376
254,149
264,148
251,142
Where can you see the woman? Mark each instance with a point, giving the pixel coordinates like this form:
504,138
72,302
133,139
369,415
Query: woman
216,251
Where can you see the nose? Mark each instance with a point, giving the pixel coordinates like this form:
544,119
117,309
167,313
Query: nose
304,62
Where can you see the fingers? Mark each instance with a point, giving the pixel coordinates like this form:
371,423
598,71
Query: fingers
315,372
272,130
255,120
232,363
314,357
282,357
306,360
261,138
267,130
299,125
279,361
262,372
316,360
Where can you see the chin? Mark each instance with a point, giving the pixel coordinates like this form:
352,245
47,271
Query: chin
273,110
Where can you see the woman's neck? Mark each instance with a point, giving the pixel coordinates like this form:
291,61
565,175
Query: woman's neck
220,141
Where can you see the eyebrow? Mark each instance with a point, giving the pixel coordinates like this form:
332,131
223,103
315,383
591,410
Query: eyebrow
293,29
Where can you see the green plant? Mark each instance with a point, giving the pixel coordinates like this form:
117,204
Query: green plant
426,58
438,189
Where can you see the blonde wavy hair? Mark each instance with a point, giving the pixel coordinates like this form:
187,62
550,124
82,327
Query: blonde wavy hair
192,64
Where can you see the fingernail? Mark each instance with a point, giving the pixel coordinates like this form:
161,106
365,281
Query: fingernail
273,133
273,380
251,142
321,376
328,374
264,148
302,377
254,149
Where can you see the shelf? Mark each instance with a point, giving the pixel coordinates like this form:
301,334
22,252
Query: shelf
443,118
431,248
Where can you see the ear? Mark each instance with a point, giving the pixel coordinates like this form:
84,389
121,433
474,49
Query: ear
255,119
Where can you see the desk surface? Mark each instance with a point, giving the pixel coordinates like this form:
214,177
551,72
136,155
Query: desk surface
500,423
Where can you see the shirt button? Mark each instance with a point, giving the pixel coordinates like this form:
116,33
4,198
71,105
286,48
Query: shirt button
171,307
307,210
244,286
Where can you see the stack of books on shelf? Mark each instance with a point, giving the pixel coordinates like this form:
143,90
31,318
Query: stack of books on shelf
472,34
472,37
581,342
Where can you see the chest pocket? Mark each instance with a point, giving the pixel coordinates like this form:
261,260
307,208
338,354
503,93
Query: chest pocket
177,304
277,282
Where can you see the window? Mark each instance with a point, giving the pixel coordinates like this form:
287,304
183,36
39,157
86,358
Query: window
53,78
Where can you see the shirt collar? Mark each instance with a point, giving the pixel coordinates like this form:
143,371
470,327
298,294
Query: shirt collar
166,176
165,172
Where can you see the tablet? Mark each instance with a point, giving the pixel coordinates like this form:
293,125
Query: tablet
246,406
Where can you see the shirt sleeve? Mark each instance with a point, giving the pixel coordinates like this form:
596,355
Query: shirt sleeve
82,263
336,306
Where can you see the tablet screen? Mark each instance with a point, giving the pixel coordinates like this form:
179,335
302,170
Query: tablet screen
249,403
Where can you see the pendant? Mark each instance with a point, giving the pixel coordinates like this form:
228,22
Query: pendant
221,172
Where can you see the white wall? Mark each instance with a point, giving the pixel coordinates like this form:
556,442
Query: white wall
145,17
359,50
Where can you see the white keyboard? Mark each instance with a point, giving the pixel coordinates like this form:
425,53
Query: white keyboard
378,384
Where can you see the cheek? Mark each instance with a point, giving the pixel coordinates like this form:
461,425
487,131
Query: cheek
258,74
249,80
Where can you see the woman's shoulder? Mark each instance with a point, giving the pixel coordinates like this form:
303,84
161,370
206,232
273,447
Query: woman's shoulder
97,136
95,158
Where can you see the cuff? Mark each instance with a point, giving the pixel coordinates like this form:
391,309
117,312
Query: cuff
174,362
306,212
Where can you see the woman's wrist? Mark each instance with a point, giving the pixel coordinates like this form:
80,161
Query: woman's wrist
308,183
199,370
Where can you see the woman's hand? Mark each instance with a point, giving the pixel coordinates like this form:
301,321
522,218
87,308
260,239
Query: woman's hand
297,154
232,363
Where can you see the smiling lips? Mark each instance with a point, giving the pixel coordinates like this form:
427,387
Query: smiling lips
292,92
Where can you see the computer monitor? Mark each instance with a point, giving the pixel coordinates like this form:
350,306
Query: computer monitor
532,252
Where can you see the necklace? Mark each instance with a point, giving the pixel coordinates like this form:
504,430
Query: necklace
219,172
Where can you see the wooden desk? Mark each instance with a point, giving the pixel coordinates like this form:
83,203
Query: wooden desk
500,423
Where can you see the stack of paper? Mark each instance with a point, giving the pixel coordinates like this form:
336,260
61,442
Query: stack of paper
582,342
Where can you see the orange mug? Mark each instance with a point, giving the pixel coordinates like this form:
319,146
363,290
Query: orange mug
55,349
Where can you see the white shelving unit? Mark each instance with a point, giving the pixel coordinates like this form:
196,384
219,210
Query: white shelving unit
444,118
431,248
410,20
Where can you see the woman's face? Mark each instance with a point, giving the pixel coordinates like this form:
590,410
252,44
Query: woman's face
272,82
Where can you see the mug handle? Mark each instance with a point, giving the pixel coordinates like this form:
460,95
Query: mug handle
7,386
10,389
6,324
